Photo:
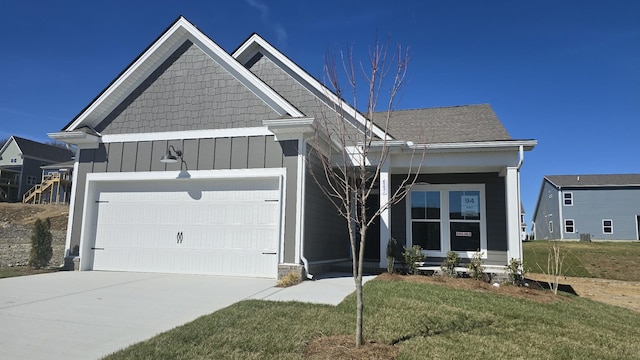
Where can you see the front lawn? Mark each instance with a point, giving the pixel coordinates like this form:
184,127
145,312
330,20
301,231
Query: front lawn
423,321
606,260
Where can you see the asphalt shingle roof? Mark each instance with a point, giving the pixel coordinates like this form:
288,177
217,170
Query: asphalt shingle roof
43,151
594,180
455,124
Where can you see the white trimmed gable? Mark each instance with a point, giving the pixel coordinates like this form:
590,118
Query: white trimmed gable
256,44
181,31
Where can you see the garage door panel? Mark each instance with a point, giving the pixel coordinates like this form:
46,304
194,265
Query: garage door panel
229,227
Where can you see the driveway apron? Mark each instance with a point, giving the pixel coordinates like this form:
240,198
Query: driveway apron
89,314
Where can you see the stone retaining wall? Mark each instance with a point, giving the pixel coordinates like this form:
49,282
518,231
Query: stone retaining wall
15,245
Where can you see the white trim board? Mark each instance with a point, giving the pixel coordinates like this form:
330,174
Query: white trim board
188,134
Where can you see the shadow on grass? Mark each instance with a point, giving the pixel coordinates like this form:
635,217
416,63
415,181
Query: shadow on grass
545,286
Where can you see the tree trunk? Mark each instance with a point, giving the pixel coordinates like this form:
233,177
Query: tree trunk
359,292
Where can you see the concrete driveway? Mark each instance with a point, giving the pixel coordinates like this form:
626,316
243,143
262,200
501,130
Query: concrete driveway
89,314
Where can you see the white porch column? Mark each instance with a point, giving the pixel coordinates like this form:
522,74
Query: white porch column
512,192
385,216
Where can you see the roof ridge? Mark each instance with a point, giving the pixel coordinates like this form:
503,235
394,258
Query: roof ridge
437,107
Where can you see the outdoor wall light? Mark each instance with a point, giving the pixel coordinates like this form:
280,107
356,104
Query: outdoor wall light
169,158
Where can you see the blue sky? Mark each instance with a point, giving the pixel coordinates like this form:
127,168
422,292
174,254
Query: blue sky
566,73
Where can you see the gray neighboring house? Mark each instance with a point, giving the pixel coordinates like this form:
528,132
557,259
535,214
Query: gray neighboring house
195,160
20,165
607,207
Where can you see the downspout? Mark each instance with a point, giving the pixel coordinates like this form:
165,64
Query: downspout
302,192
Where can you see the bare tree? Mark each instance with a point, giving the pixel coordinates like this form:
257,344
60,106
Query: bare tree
347,156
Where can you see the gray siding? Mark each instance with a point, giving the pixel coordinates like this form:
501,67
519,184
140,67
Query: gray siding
200,156
495,206
189,91
547,211
591,206
326,235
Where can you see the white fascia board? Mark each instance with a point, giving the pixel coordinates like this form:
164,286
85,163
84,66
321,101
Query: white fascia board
75,138
246,50
188,134
158,52
489,145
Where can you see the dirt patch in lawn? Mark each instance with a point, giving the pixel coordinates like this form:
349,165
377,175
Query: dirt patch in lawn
343,347
534,291
625,294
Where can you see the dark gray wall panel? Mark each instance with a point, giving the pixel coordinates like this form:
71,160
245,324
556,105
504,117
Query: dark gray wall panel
158,149
290,162
189,91
256,151
143,160
239,152
222,154
190,153
273,153
129,156
114,164
326,234
205,154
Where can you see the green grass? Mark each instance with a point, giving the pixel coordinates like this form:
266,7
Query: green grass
7,272
426,321
606,260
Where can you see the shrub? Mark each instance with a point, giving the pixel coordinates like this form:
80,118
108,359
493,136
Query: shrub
475,265
290,279
391,259
448,266
515,273
41,250
412,256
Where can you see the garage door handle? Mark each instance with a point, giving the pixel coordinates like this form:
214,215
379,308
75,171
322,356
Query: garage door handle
268,253
97,248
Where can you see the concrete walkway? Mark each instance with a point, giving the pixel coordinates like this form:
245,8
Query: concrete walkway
87,315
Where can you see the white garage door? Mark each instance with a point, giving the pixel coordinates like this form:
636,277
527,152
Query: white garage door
225,227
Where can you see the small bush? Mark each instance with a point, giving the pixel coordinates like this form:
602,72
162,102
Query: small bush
515,273
41,250
391,259
475,266
412,256
448,266
290,279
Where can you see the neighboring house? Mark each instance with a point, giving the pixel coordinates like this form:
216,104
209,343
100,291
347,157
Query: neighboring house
194,160
607,207
20,165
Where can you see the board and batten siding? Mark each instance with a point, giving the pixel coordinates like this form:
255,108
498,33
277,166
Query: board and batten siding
495,199
591,206
250,152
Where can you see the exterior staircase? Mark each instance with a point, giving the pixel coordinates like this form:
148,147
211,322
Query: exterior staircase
52,190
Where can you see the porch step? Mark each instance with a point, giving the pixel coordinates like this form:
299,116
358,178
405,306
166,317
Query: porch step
369,267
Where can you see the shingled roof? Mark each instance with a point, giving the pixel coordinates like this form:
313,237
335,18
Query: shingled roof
594,180
454,124
38,150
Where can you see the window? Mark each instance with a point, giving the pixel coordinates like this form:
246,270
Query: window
550,226
447,218
607,226
31,180
569,226
14,160
568,199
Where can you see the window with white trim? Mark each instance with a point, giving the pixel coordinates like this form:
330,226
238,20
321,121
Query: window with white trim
569,226
447,218
568,199
607,226
14,160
